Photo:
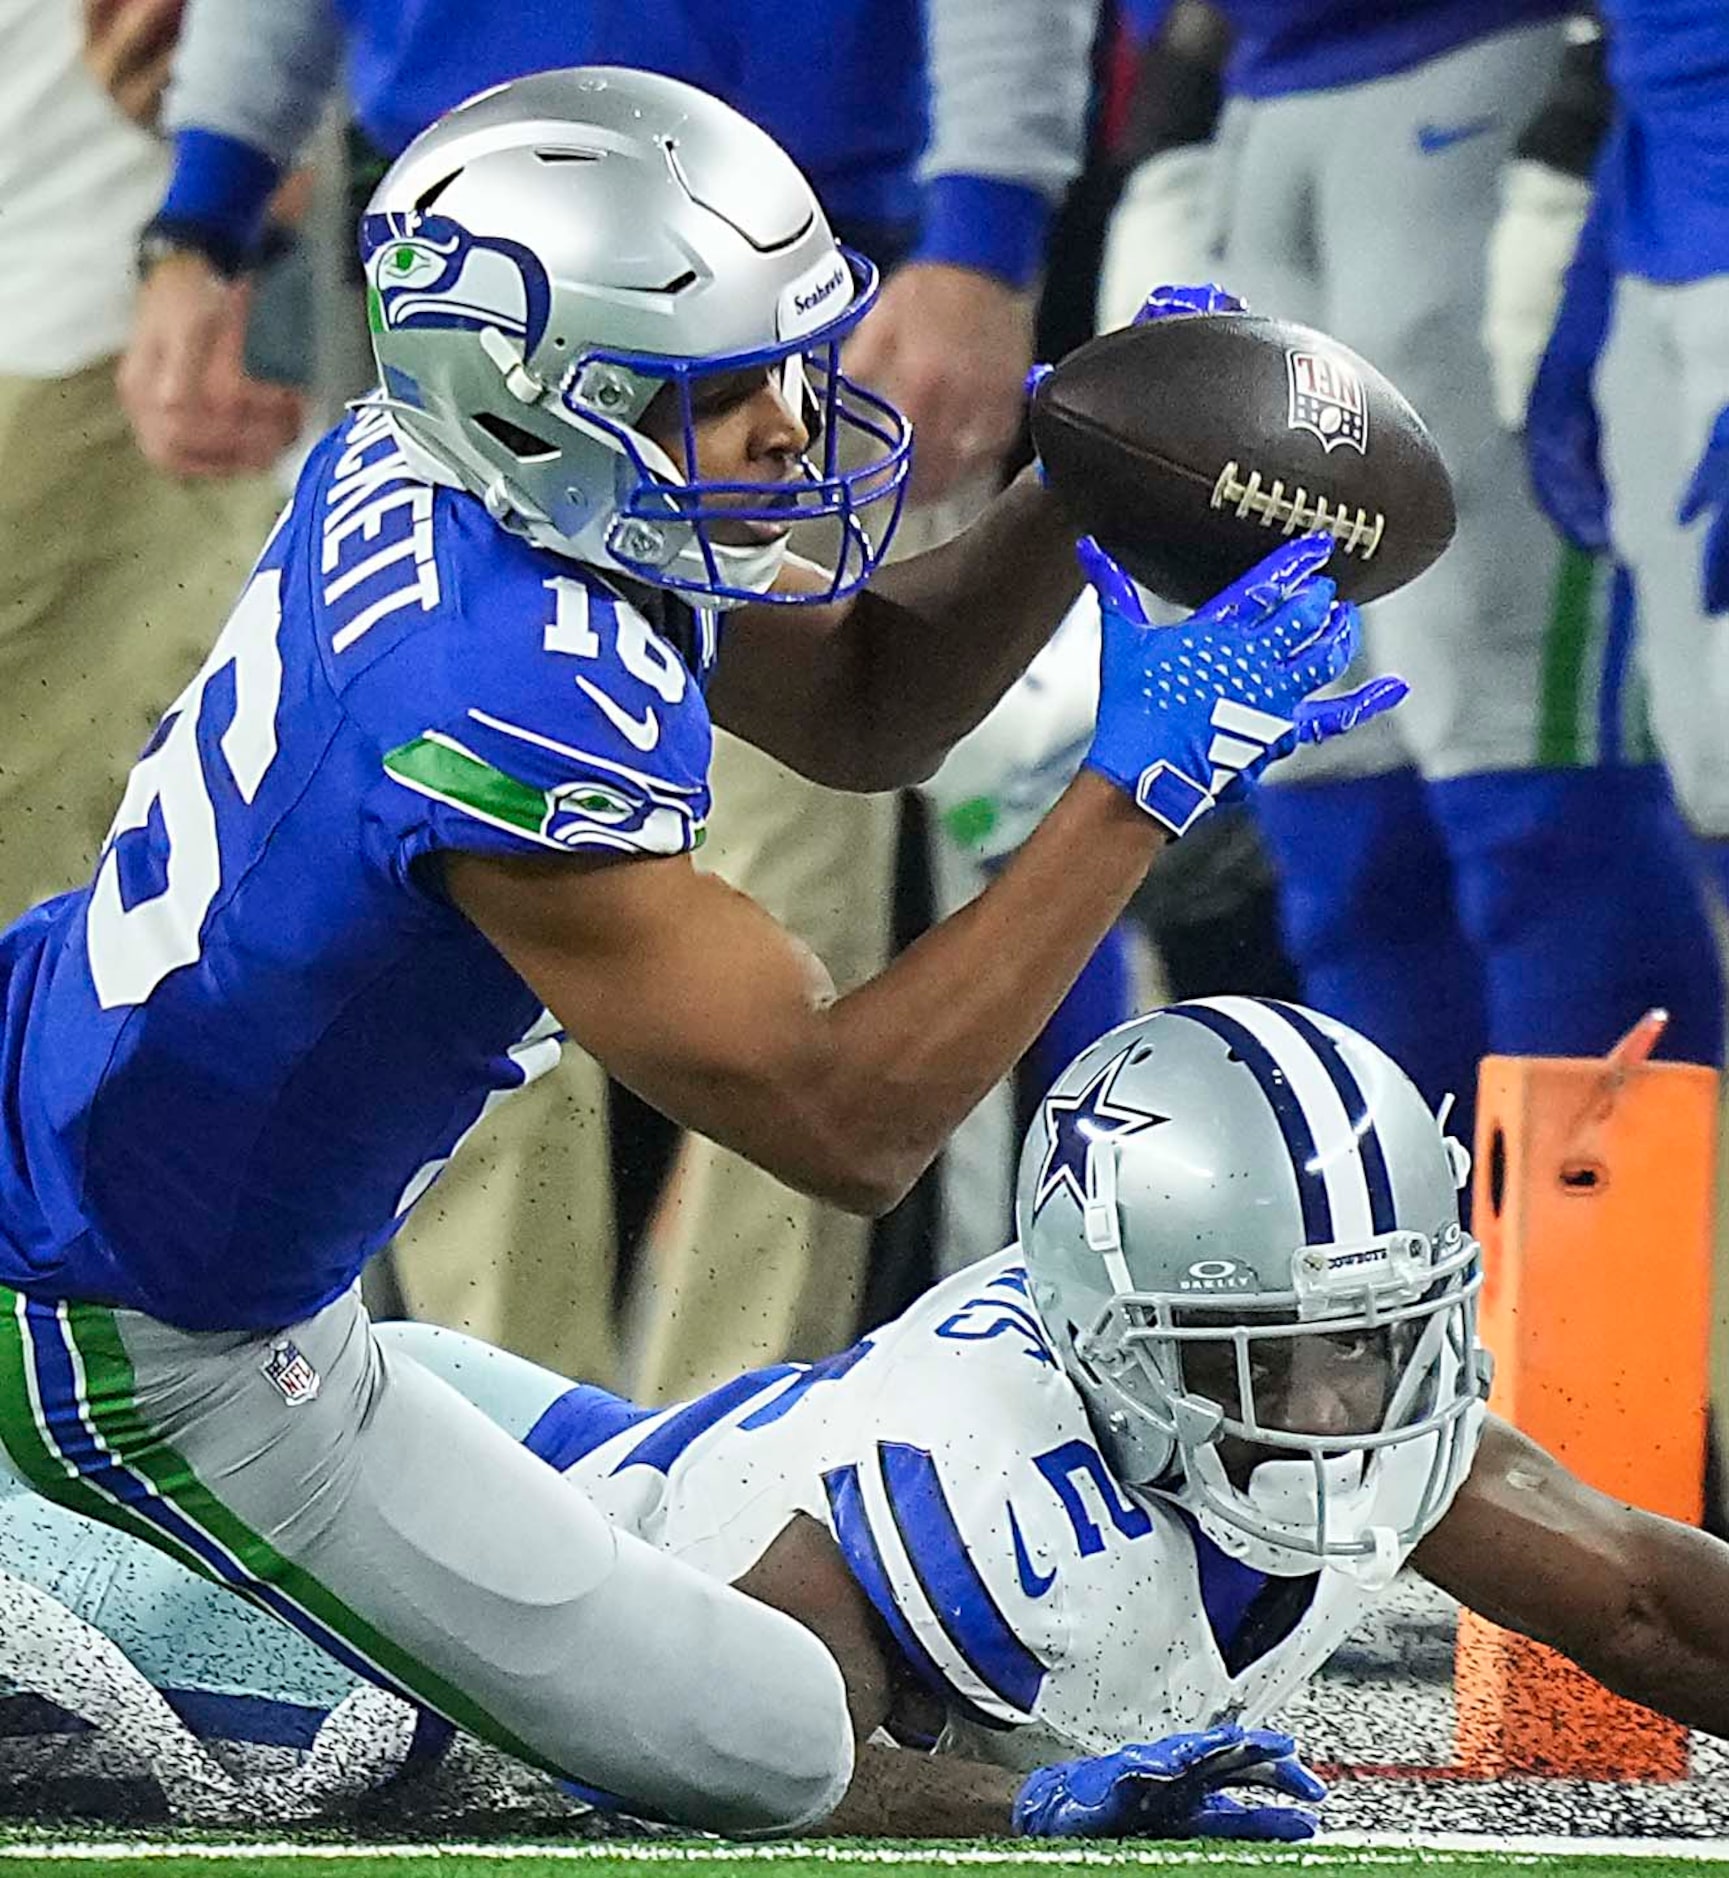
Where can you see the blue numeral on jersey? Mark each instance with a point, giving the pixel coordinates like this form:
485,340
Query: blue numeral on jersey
1064,1467
982,1318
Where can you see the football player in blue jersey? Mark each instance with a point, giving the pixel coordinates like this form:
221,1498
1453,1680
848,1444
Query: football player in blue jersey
1629,420
1500,869
1082,1520
431,803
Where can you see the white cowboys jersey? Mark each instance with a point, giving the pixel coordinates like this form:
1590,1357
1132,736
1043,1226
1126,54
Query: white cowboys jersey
1051,1610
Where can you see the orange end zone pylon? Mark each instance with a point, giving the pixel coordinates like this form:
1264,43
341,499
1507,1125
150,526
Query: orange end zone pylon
1593,1199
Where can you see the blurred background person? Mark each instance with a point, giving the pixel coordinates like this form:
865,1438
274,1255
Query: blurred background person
1628,418
114,575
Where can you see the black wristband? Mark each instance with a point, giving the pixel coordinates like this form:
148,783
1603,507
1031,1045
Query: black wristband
164,235
1569,129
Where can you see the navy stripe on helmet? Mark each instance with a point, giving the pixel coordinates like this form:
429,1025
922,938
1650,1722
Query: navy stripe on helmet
1287,1112
1374,1158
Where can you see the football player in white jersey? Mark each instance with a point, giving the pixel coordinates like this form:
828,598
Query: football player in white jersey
1089,1513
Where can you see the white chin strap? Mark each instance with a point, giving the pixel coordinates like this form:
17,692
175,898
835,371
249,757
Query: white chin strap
1281,1498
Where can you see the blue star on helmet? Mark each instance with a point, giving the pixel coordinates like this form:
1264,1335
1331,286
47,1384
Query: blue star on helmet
1073,1123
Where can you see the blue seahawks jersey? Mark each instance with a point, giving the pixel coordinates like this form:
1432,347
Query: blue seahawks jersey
232,1063
1284,46
1667,165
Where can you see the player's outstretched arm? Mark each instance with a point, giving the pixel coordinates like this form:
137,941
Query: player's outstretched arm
871,692
894,1792
1640,1602
692,996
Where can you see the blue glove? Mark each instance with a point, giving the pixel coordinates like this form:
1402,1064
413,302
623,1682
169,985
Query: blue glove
1208,297
1160,304
1169,1790
1188,712
1562,435
1708,494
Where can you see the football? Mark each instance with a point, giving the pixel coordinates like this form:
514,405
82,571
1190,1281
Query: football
1190,445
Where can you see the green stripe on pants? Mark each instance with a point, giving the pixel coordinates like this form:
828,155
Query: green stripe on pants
37,1462
1561,708
111,1408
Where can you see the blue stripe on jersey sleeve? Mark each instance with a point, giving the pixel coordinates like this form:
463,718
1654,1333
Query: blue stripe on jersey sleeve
852,1531
662,1446
950,1580
581,1420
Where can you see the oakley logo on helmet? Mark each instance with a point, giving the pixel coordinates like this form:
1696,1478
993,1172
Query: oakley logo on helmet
1216,1275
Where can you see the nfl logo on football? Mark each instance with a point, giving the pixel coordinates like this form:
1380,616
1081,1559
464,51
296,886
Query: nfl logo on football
295,1379
1327,401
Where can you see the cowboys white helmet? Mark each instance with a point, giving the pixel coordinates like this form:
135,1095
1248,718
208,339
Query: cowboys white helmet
551,255
1241,1226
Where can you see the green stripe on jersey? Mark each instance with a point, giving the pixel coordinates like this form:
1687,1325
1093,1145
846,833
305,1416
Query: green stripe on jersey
1561,713
445,771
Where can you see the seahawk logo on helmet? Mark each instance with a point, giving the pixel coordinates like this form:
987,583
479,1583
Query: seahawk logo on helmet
440,277
550,257
1266,1299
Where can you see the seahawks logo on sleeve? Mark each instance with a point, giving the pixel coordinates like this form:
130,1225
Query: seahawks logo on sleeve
606,806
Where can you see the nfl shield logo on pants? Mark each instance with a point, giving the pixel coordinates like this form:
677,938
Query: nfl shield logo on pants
295,1379
1327,401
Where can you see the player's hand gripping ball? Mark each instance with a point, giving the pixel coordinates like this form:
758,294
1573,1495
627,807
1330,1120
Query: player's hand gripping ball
1192,442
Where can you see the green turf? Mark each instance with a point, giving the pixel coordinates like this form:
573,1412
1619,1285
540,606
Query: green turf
177,1858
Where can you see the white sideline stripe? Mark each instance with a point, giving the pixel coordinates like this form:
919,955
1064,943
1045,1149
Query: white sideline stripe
1346,1850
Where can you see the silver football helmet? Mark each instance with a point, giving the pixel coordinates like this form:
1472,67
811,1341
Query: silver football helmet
1241,1226
555,253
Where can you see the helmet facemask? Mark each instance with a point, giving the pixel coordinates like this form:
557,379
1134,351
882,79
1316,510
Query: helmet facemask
670,529
1327,1425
